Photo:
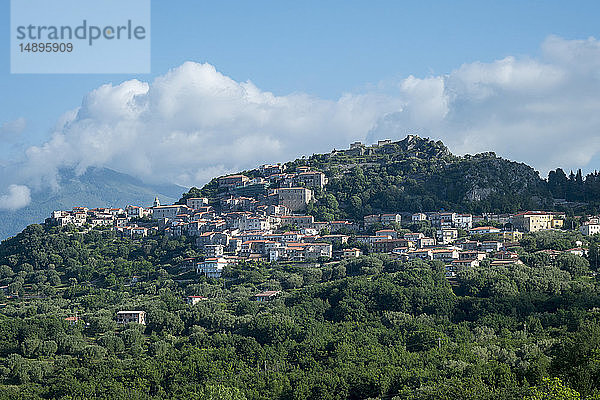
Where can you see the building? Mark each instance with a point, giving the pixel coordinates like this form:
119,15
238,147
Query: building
213,250
590,229
170,212
388,219
387,233
447,235
311,179
418,217
270,169
294,198
388,245
425,242
491,246
211,267
195,203
126,317
267,295
233,181
463,221
195,299
351,253
533,221
371,220
483,230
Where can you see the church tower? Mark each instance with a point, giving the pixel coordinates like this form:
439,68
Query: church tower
156,202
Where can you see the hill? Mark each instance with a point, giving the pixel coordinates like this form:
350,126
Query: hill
97,187
417,174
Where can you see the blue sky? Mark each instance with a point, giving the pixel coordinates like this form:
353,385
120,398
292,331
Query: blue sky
316,47
324,50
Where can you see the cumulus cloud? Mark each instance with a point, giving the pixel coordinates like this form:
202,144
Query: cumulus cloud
14,127
194,123
18,196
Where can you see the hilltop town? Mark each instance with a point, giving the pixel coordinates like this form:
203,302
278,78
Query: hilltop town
262,216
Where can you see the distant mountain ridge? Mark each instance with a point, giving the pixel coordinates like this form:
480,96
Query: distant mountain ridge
97,187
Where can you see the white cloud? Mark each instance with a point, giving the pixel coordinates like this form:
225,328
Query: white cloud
13,127
18,196
194,123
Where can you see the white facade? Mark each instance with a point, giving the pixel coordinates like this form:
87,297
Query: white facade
196,202
211,267
590,229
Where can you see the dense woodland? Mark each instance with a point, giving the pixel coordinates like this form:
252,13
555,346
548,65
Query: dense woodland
370,327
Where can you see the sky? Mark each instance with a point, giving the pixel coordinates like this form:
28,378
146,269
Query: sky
237,84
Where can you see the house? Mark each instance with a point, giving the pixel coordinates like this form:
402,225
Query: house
472,255
371,220
447,235
388,245
139,231
316,250
126,317
351,253
213,250
418,217
335,226
387,233
578,251
196,202
310,179
270,169
424,254
590,229
491,246
368,239
482,230
267,295
426,242
445,255
466,262
73,320
211,267
413,236
463,221
388,219
294,198
195,299
533,221
298,220
232,181
341,239
170,212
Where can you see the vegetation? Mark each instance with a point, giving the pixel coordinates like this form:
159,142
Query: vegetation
370,327
416,175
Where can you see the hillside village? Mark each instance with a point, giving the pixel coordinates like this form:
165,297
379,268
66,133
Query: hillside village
263,217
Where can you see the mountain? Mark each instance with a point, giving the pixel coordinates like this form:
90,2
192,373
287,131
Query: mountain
97,187
417,174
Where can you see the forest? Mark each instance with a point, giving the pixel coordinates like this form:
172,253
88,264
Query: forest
367,328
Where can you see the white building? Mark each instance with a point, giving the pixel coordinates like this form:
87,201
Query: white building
417,217
590,229
169,212
211,267
196,202
125,317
